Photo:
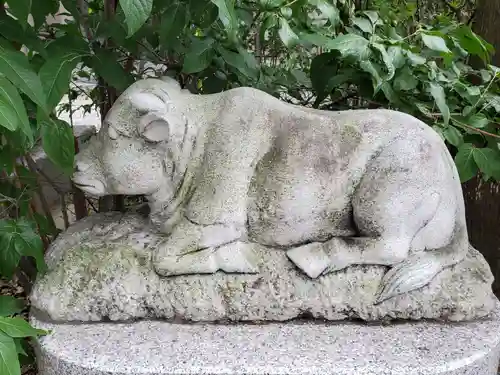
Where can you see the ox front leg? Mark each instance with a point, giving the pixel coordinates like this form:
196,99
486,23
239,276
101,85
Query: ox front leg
212,233
200,249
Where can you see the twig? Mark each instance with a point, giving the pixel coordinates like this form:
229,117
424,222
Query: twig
83,8
30,160
456,10
476,130
157,55
91,204
64,207
485,91
45,206
82,90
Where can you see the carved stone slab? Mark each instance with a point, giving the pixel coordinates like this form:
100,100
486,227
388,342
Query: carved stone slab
302,348
101,269
227,173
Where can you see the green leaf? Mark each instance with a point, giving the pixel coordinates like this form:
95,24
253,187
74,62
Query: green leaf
495,70
238,61
386,59
62,151
17,239
45,228
269,21
488,161
227,16
20,9
173,21
424,109
136,14
71,43
287,35
18,327
390,94
10,305
405,80
41,9
9,255
439,130
397,57
478,120
287,12
472,43
314,39
371,68
485,75
213,84
9,361
464,160
453,136
113,29
434,42
323,69
203,12
13,113
415,59
328,10
14,65
270,4
374,17
301,77
55,75
19,346
106,65
71,7
11,30
438,94
363,24
199,57
351,45
492,101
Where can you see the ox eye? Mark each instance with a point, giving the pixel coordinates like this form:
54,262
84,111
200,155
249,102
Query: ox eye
155,131
153,128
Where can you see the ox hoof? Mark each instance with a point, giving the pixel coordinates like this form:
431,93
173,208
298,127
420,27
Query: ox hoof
201,261
311,259
236,257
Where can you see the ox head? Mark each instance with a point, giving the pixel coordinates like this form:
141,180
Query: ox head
135,150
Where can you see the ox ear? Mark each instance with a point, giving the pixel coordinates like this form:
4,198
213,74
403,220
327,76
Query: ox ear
154,128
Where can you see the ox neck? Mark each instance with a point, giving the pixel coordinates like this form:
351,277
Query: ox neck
167,204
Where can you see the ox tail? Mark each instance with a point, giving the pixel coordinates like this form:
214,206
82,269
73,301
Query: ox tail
421,267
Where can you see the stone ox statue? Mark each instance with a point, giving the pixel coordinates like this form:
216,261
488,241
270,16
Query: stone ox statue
227,171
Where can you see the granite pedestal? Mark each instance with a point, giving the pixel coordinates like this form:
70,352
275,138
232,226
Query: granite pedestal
160,348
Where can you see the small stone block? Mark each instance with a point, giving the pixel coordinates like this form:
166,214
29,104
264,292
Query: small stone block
298,347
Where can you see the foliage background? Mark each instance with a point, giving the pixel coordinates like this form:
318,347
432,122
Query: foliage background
420,57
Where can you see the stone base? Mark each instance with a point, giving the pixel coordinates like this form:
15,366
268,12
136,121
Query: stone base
100,269
299,347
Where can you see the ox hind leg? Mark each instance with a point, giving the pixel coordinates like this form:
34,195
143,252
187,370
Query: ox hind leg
405,191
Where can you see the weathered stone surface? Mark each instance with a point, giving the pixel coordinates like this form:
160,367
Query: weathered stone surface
300,348
228,173
101,269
